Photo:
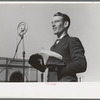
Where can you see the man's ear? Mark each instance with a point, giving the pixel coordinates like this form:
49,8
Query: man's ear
66,24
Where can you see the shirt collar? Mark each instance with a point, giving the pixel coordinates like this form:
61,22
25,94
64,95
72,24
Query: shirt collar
62,35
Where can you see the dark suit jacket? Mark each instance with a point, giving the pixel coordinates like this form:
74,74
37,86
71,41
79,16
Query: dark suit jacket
72,52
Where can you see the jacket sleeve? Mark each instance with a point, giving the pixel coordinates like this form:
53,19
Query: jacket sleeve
78,63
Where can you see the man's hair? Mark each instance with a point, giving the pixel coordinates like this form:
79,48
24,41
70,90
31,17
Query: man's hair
65,17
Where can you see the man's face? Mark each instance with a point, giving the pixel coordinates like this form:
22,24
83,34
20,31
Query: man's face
58,25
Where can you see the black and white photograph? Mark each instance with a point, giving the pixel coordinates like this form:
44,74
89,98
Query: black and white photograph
50,43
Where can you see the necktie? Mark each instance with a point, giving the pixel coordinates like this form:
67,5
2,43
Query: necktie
57,41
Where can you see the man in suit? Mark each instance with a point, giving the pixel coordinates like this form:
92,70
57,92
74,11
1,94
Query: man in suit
70,48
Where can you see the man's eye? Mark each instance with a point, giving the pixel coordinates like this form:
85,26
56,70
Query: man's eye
57,21
53,22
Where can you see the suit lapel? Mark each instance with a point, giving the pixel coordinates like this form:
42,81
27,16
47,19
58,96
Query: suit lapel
57,47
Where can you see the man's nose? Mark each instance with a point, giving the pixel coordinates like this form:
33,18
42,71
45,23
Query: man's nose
53,24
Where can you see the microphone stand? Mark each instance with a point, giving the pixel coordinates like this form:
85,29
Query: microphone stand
23,53
22,29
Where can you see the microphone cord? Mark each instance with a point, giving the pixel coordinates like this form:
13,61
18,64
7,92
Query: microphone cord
14,54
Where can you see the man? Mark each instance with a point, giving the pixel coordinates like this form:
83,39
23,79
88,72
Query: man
70,48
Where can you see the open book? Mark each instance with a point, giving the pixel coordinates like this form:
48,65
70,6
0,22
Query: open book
47,53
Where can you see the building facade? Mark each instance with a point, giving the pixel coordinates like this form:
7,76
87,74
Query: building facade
10,65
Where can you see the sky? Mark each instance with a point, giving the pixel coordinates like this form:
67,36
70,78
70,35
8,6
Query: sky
85,24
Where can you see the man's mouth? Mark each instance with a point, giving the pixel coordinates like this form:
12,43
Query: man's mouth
54,28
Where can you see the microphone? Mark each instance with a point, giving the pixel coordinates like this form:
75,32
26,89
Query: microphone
22,29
